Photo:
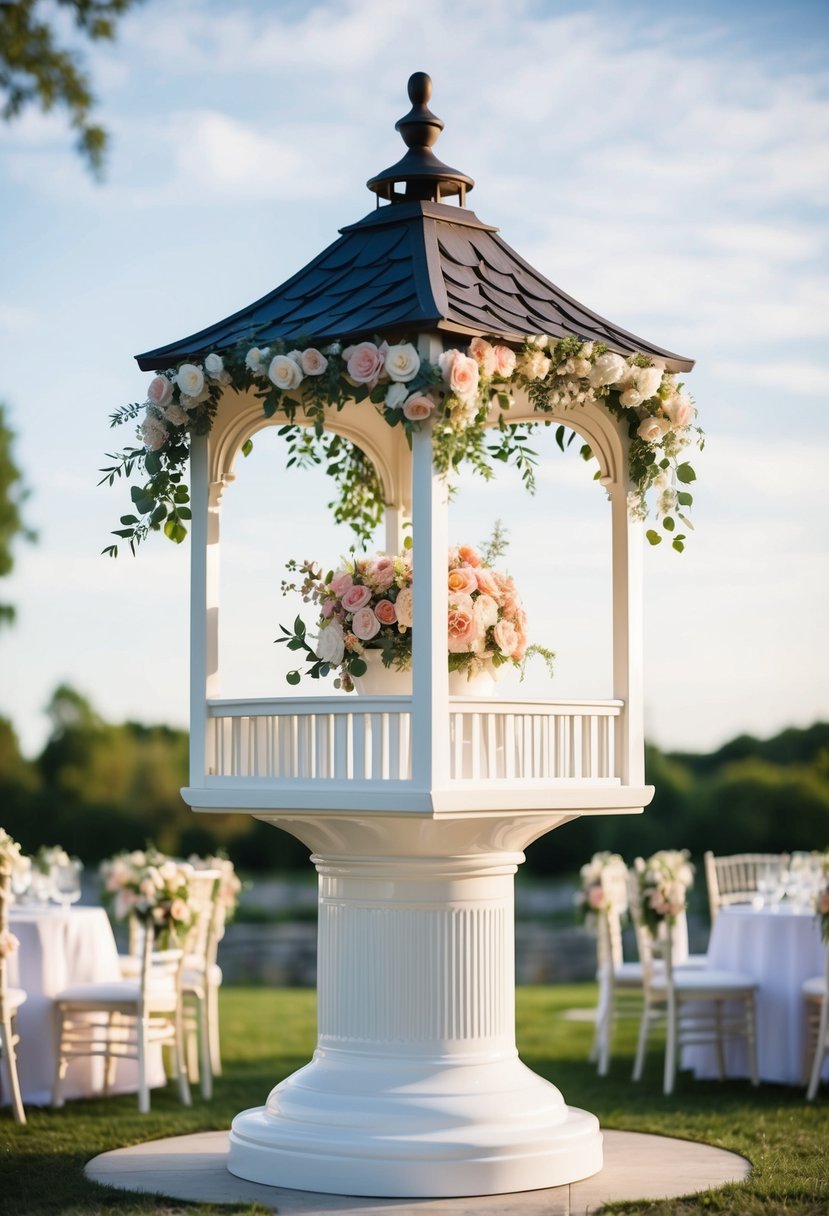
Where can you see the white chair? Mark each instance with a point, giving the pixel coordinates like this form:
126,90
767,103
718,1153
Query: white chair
620,982
816,997
10,1001
697,1005
733,879
122,1019
201,980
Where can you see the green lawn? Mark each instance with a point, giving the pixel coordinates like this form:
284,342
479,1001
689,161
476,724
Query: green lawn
268,1034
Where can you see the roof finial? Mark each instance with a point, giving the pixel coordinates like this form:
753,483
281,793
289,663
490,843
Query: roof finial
425,177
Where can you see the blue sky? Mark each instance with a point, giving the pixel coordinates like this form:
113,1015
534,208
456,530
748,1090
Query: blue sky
667,164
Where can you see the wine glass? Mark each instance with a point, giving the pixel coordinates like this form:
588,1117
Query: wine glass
66,878
42,885
21,878
767,883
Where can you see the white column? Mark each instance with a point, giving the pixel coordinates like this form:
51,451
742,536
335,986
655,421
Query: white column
204,603
415,1087
628,610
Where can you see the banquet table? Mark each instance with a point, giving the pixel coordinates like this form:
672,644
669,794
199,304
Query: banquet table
779,947
59,947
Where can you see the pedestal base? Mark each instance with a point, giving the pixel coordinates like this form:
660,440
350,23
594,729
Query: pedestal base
422,1129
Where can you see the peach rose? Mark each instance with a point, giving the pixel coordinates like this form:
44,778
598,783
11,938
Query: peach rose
313,362
469,555
285,373
463,627
504,361
385,612
417,407
506,638
354,598
460,373
486,583
680,409
364,362
364,624
462,581
403,607
483,353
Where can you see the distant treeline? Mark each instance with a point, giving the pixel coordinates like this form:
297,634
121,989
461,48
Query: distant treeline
98,787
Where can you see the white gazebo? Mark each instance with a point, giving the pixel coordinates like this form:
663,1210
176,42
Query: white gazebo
416,807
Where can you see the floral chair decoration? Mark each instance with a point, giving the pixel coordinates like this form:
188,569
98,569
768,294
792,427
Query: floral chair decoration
10,998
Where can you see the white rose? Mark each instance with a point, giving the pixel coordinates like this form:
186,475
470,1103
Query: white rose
652,429
331,643
404,608
486,610
396,395
190,379
539,340
648,380
631,397
153,433
402,362
214,366
582,367
255,359
285,372
607,369
535,364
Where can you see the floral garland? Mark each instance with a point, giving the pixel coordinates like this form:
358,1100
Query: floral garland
663,885
822,898
459,392
603,885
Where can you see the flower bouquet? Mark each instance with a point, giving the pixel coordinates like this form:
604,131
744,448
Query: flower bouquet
10,852
151,887
822,898
603,885
366,605
663,885
230,885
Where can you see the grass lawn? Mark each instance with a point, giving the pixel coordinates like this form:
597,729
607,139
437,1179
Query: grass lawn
268,1034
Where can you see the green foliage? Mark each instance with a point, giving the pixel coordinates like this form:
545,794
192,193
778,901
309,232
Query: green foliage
13,494
36,69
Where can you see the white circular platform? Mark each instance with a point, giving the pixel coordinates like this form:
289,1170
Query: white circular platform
636,1166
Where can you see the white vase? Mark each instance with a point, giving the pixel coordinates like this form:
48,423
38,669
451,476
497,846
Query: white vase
478,681
380,681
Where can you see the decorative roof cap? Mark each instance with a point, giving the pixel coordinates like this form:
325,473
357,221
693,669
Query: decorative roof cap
424,176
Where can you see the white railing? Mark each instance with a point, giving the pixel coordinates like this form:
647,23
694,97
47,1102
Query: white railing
369,739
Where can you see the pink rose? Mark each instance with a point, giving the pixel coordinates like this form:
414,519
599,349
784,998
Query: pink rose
460,373
417,407
313,362
595,896
462,581
365,362
823,902
463,627
341,582
160,391
506,638
504,361
356,597
364,624
680,409
381,572
483,353
385,612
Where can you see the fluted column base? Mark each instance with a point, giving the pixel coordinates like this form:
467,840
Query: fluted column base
415,1088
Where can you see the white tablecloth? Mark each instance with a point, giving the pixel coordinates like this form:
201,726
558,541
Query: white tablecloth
780,949
59,947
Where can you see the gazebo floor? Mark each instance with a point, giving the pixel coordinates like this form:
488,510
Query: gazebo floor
636,1166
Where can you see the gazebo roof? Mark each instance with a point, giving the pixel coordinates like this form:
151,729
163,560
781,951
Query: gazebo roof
415,265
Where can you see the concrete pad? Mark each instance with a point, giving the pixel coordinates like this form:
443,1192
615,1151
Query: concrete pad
636,1166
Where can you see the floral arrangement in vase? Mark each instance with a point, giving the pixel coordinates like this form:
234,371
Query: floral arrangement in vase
230,885
366,606
603,884
664,882
152,887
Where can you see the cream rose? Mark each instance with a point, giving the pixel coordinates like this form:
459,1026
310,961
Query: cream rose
285,372
255,360
486,610
504,361
214,365
483,353
154,433
190,379
402,362
403,607
460,372
364,362
648,380
160,391
313,362
331,643
535,364
417,407
608,368
506,638
396,394
364,624
652,429
680,409
630,398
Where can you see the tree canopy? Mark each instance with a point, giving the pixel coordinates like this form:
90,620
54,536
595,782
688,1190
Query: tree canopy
12,495
38,68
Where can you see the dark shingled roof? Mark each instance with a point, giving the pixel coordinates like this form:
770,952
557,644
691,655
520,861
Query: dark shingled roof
413,266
